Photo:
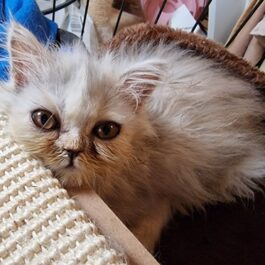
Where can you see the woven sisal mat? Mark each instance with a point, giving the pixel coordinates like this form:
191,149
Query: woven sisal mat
39,223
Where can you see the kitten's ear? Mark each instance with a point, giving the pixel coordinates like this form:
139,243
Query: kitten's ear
141,79
25,53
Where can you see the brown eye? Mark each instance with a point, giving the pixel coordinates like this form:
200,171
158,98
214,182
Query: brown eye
106,130
45,120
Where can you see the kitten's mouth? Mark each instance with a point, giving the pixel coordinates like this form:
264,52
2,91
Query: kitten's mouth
70,167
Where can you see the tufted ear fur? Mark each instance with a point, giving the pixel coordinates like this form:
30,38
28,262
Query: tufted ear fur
25,54
142,78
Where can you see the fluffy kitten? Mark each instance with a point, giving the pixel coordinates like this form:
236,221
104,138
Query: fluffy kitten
150,129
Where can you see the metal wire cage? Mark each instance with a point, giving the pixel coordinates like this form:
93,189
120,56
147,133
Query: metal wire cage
55,7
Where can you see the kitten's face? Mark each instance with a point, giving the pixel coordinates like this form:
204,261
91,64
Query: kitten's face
73,116
71,113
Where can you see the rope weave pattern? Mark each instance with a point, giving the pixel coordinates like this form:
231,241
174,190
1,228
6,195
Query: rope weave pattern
39,224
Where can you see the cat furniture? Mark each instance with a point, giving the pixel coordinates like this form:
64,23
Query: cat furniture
40,224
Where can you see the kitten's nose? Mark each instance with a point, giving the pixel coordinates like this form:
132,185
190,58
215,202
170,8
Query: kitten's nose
72,154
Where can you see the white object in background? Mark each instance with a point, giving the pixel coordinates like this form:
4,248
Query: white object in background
59,15
259,31
183,19
90,37
70,19
223,14
73,20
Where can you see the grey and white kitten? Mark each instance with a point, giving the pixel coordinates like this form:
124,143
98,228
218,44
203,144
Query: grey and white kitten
151,130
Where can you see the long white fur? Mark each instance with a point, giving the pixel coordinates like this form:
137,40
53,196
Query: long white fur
194,137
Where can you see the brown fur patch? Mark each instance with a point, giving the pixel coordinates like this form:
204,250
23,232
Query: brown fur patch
144,33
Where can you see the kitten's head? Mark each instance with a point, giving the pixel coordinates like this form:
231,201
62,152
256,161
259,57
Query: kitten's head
82,115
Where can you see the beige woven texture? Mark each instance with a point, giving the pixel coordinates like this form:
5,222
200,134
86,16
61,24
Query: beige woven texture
39,224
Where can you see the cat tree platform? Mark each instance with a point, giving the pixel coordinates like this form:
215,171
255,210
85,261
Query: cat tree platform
40,224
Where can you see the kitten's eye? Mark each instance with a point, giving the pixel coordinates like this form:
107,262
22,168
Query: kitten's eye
44,120
107,130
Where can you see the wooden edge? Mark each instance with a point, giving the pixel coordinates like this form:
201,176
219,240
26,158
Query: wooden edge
112,227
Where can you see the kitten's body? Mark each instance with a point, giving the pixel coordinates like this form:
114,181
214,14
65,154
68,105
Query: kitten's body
191,133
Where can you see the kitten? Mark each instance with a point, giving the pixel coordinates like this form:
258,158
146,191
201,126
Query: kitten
151,129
